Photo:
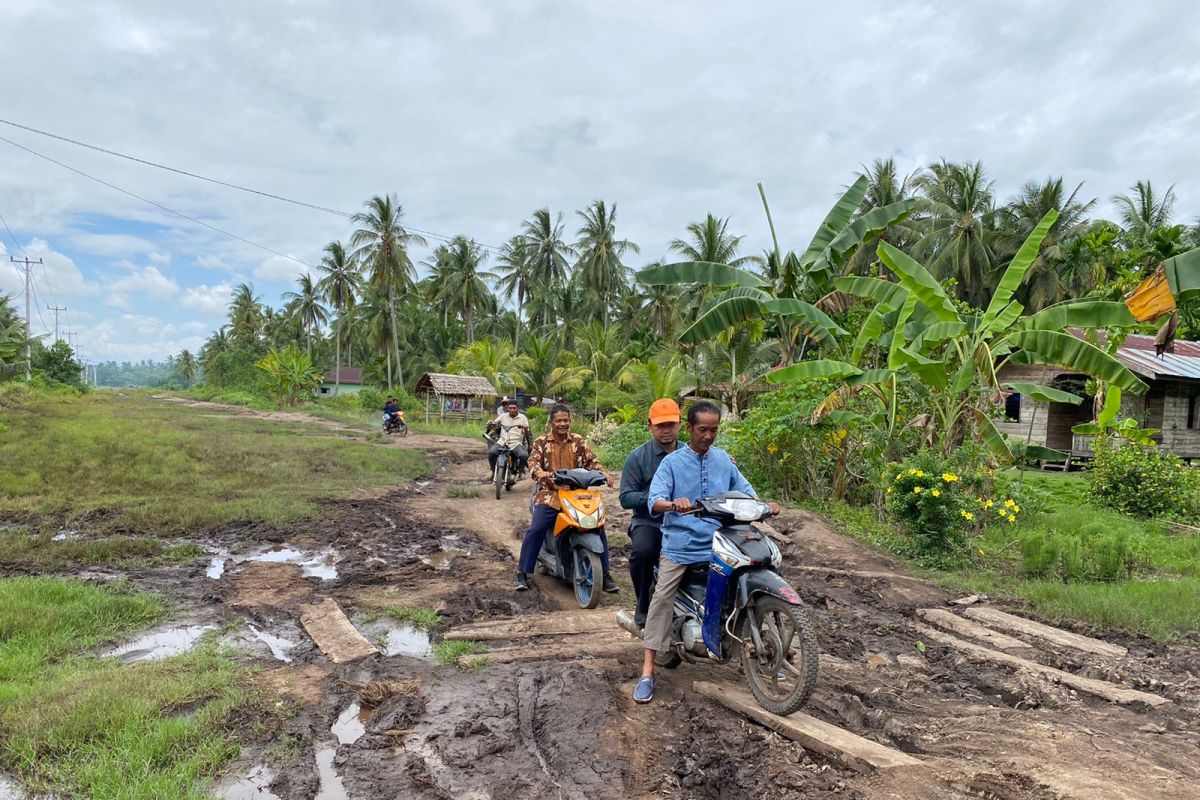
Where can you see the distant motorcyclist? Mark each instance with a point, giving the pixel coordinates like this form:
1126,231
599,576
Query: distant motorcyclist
511,431
390,407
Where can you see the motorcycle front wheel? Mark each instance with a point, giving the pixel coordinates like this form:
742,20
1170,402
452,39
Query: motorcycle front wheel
784,673
588,575
498,477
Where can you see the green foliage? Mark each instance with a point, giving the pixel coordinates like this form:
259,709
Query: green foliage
422,618
936,499
447,653
291,376
57,363
614,440
538,419
1144,481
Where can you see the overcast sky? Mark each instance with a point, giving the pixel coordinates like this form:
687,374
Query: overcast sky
477,113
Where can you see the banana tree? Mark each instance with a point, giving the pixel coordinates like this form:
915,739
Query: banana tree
745,295
917,339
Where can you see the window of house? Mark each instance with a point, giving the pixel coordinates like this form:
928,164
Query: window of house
1012,407
1194,411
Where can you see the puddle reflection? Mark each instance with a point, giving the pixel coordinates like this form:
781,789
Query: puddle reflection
161,643
253,786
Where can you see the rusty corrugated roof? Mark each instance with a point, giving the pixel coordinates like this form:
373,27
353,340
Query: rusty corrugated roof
1137,353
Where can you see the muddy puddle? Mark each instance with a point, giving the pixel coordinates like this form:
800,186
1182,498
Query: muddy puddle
160,643
452,546
405,640
320,564
332,787
351,725
254,785
64,535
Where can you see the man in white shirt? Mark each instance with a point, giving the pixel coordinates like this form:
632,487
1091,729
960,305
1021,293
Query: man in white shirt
512,427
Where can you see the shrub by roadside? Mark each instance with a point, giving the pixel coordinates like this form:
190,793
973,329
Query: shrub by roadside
1144,481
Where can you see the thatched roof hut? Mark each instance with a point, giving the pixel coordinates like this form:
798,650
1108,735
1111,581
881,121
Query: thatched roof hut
464,396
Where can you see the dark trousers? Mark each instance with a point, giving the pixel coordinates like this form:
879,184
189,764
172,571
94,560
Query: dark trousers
520,455
539,528
643,558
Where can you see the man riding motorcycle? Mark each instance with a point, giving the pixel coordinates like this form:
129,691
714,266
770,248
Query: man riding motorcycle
390,407
511,430
558,449
698,470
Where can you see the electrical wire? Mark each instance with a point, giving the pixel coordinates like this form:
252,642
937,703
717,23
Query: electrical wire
219,182
14,238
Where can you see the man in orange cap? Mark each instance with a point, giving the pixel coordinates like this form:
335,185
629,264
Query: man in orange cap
644,529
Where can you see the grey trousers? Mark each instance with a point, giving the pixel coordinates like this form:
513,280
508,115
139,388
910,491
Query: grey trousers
662,605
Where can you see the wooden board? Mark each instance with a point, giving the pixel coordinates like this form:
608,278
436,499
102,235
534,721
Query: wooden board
859,573
1109,691
582,646
813,734
964,627
561,623
1009,622
331,629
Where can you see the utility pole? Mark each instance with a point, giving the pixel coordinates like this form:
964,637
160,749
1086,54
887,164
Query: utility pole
56,310
28,266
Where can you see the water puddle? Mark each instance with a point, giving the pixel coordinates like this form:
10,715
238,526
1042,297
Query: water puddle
216,567
405,640
351,725
63,535
332,787
253,786
321,565
161,643
278,645
452,548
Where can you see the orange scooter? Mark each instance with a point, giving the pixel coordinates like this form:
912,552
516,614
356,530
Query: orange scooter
573,553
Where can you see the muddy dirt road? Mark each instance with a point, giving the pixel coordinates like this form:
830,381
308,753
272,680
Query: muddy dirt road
550,716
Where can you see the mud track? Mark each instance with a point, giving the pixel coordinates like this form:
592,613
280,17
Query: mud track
551,716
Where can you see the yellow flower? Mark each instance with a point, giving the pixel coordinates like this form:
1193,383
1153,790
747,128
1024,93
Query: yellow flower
1013,518
949,477
967,515
920,474
981,551
772,448
899,475
936,493
1003,513
1016,508
912,471
918,489
988,504
1009,504
889,491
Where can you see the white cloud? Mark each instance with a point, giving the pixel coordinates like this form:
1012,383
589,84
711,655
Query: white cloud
144,281
207,299
278,268
56,272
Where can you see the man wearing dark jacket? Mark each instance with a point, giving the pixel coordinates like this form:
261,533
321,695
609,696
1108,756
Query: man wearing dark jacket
644,529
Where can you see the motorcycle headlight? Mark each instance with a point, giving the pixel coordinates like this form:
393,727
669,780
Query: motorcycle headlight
744,509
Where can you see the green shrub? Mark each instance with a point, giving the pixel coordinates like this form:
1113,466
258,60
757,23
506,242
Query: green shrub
1090,554
538,421
1144,481
937,499
613,440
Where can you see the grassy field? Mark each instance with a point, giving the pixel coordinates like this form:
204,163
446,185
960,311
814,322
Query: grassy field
1149,574
131,463
69,723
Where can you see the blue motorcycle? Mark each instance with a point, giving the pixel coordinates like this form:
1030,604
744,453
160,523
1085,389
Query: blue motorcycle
738,606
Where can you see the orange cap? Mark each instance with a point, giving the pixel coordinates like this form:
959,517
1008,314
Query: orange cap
664,410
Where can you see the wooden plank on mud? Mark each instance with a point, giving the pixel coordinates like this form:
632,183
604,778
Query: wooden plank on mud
859,573
560,623
1009,622
813,734
1108,691
965,627
333,632
583,646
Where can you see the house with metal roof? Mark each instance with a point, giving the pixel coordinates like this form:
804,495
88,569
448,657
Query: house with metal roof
1171,405
341,380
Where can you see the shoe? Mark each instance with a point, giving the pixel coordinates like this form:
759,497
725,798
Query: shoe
522,582
639,619
644,691
610,585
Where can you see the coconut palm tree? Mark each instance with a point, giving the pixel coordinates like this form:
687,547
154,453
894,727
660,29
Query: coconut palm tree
958,229
600,271
549,369
548,254
246,316
1046,282
186,366
710,241
491,358
516,277
340,286
308,308
381,245
465,286
1146,211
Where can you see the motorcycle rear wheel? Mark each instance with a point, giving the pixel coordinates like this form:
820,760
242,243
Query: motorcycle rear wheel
790,650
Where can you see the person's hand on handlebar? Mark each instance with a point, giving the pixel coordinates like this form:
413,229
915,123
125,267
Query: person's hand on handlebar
681,504
775,509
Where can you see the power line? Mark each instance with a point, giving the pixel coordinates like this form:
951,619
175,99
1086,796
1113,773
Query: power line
14,238
157,205
218,181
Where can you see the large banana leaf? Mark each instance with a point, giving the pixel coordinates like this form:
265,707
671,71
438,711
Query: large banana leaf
883,292
1011,280
838,217
869,224
870,377
819,369
1078,314
990,436
1183,274
1064,350
1021,451
871,331
938,332
896,355
917,280
699,272
1002,321
813,322
1044,394
729,308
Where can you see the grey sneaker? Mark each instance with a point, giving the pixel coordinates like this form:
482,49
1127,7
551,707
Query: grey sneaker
522,582
644,691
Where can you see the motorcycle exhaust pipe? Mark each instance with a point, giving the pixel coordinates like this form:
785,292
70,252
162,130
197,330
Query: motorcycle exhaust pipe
625,620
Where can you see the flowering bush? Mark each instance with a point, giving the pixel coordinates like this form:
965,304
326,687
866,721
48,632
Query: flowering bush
1143,481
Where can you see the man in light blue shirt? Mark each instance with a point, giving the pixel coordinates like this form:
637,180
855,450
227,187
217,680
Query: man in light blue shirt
689,473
